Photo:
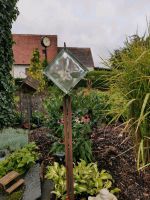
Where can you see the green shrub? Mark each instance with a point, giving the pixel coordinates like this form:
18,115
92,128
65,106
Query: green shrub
87,179
98,79
20,160
92,102
13,139
82,145
117,109
89,107
84,101
38,118
18,119
36,68
54,113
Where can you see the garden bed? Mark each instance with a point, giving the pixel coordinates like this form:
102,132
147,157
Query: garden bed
112,151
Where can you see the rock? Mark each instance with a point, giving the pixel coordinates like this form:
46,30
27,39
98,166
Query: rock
32,184
47,188
91,198
104,194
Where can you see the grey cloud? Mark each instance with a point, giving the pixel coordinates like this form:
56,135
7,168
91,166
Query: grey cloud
100,24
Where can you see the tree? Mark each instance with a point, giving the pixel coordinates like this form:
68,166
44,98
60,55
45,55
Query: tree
8,14
36,69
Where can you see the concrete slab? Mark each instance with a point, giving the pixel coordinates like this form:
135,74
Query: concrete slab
32,184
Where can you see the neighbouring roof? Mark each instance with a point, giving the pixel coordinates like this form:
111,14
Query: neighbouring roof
25,44
84,55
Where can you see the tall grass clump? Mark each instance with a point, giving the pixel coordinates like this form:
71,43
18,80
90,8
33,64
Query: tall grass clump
131,81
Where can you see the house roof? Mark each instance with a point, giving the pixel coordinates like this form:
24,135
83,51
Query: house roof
84,55
31,83
26,43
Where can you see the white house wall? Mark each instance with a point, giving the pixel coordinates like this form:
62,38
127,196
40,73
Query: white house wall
19,71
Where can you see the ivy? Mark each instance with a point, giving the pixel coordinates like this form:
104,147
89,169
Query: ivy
8,14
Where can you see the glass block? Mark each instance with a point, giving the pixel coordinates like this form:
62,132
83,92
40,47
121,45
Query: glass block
65,71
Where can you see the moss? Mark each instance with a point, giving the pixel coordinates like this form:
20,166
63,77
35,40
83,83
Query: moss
15,195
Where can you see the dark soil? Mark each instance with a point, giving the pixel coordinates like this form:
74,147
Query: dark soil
114,152
40,137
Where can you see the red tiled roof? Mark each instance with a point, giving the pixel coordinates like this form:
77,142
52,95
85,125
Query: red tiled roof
84,55
26,43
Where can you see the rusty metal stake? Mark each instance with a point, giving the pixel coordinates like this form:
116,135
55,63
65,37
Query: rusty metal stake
68,146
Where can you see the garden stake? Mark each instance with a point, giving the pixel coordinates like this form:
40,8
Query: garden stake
68,146
66,71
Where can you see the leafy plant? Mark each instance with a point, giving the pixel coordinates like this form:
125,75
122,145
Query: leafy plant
131,67
85,102
89,107
18,118
92,102
82,145
53,106
87,179
20,160
13,139
8,14
38,118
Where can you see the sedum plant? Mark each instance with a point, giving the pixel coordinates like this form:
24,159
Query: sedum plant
87,179
13,139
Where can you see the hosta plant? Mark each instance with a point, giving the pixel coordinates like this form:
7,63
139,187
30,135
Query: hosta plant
87,179
20,160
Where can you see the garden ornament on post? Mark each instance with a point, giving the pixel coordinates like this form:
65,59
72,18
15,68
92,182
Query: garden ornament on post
66,71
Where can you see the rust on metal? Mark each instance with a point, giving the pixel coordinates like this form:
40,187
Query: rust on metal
68,146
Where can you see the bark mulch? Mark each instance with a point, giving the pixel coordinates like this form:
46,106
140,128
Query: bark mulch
112,151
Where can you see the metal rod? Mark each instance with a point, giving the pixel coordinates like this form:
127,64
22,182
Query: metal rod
68,147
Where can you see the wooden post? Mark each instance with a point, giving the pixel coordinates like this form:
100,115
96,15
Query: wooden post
68,146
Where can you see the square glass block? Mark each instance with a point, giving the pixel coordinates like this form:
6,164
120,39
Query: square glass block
65,71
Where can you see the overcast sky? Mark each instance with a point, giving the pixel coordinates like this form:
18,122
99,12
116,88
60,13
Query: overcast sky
102,25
